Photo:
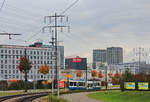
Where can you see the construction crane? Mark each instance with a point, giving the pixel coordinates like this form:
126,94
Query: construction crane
9,34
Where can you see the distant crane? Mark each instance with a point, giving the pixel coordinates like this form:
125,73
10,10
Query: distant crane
9,34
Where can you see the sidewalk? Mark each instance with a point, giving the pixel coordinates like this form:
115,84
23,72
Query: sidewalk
79,97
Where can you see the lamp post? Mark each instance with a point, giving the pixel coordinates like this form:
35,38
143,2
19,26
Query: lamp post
106,74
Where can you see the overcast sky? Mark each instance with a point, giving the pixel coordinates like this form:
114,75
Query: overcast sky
95,24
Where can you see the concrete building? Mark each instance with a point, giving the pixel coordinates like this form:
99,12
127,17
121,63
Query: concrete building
76,63
38,54
114,55
99,55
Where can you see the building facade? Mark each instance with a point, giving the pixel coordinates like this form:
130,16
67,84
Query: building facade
114,55
76,63
38,54
99,55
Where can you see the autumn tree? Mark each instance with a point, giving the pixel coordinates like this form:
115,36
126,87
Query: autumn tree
44,69
140,77
68,76
93,73
116,75
78,73
24,67
100,74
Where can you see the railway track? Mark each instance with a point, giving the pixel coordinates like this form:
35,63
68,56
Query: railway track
30,96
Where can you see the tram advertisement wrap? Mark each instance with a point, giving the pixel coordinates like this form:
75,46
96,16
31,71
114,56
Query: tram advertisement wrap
143,86
130,85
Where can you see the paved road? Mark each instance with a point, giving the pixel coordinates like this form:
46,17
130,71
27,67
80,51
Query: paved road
79,97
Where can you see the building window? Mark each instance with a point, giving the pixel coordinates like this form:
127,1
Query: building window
1,71
5,51
20,52
13,51
9,51
9,71
16,51
1,51
1,66
5,71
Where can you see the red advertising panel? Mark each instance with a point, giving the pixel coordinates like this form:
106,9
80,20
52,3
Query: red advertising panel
76,59
61,84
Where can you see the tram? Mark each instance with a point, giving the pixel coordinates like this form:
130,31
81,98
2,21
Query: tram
81,85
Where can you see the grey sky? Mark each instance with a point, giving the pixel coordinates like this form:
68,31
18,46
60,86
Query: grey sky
94,23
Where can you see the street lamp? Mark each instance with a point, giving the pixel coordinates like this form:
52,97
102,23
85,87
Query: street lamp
105,66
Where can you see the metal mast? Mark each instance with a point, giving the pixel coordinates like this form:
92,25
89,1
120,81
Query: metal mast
53,26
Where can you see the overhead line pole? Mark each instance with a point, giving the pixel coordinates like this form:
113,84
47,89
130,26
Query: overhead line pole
55,26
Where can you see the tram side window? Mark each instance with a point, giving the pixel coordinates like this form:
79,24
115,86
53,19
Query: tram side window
71,83
81,84
75,84
97,84
90,85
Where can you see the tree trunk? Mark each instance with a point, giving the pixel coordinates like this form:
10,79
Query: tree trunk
26,89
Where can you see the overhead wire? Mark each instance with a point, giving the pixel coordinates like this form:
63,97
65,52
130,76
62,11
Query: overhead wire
72,4
69,6
2,5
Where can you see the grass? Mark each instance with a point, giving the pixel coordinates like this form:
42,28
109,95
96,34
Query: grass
10,93
118,96
51,98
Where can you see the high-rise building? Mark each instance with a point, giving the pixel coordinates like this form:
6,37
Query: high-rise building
38,54
99,55
114,55
76,63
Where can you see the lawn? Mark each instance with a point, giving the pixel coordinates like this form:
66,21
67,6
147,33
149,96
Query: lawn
118,96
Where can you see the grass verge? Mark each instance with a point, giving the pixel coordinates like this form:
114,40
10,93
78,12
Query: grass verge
118,96
51,98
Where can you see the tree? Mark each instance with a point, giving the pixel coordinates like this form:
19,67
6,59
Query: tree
100,74
78,73
24,67
110,75
126,77
140,77
116,75
44,69
116,78
93,73
68,76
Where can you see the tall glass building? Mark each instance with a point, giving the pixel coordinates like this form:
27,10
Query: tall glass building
114,55
99,55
